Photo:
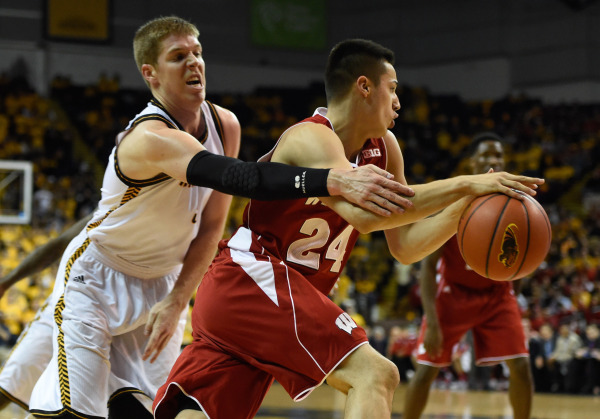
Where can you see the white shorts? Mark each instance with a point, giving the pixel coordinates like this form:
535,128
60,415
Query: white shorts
99,340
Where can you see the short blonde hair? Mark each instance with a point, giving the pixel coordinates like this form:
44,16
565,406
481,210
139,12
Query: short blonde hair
147,39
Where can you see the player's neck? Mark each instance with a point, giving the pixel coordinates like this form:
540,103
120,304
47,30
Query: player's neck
348,128
188,115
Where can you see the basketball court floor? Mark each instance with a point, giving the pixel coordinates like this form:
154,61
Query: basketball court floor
326,403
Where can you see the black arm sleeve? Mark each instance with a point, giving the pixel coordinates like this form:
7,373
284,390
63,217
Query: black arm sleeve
266,181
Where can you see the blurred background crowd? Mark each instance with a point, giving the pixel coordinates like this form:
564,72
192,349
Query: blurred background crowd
69,133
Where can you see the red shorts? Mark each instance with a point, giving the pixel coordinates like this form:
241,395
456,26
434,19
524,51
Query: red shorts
495,321
255,321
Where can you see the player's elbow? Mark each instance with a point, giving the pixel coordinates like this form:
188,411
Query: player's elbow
366,226
404,254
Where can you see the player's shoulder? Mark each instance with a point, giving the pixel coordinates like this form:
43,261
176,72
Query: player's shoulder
309,137
231,129
148,125
225,115
310,128
390,139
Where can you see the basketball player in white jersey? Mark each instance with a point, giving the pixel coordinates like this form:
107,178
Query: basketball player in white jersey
120,311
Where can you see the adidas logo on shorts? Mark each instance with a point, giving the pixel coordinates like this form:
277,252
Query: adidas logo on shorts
79,278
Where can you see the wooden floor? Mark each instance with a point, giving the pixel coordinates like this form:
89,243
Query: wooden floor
326,403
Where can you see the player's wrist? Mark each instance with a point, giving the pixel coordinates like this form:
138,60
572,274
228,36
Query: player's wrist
178,298
335,182
466,184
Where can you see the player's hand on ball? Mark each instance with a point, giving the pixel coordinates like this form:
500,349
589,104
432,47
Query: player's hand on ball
505,183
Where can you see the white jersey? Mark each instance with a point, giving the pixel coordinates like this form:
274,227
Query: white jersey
129,237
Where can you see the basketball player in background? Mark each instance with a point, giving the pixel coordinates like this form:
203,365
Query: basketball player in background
32,351
121,299
463,300
262,311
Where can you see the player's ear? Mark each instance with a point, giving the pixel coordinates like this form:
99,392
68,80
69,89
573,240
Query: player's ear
363,85
148,73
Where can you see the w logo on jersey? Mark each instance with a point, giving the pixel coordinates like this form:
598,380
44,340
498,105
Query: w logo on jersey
345,322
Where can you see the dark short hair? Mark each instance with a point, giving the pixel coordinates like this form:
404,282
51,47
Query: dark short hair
481,137
351,59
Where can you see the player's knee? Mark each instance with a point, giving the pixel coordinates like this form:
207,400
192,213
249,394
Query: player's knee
127,406
384,373
519,367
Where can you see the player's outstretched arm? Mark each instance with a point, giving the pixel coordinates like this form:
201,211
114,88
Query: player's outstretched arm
151,148
369,187
43,256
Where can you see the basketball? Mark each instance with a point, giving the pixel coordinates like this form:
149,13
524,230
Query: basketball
503,238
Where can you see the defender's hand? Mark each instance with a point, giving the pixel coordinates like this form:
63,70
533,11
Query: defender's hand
162,323
371,188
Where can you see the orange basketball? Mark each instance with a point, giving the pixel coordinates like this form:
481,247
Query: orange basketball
503,238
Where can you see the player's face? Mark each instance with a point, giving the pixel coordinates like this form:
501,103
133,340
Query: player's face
180,68
489,155
386,99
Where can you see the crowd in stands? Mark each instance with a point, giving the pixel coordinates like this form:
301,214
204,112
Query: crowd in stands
560,302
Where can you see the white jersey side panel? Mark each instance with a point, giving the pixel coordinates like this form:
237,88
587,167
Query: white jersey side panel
144,228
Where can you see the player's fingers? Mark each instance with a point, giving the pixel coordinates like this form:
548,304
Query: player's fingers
392,201
375,209
153,343
160,346
527,180
149,348
396,187
380,171
514,188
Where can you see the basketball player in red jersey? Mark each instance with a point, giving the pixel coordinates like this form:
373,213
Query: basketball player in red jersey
262,311
464,300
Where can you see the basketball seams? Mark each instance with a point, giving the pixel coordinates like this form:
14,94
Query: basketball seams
524,256
491,245
469,219
544,216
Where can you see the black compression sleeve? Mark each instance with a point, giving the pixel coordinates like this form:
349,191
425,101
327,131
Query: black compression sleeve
266,181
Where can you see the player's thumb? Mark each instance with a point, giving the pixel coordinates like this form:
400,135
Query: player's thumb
149,324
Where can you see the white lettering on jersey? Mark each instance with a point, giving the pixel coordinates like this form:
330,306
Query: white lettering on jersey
375,152
346,323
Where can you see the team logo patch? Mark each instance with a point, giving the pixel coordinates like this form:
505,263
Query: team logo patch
346,323
374,152
510,247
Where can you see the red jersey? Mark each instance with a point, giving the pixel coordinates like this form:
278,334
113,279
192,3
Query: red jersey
262,311
453,270
307,235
